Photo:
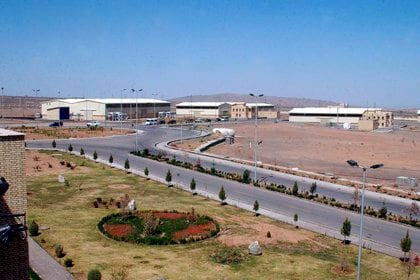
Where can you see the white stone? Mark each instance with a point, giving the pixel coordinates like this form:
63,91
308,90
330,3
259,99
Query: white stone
254,248
132,205
61,179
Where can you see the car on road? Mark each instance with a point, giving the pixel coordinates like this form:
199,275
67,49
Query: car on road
56,124
152,121
93,124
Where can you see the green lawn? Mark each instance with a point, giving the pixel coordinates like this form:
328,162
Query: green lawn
72,220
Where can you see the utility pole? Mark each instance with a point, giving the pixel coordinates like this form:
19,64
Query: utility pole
1,114
154,105
136,92
36,98
255,133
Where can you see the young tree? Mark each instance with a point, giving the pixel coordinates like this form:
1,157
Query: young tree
295,188
383,211
146,152
414,210
405,244
146,171
256,207
222,195
111,159
70,148
356,197
82,152
54,144
192,185
295,219
95,155
245,176
168,177
346,229
312,190
127,164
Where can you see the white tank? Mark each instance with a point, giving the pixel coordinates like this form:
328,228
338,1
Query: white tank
224,131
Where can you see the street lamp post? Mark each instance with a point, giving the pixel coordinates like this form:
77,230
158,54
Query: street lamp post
137,141
36,95
121,107
255,133
1,114
362,208
154,105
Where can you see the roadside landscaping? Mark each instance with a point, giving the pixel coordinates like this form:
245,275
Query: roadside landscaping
245,178
67,217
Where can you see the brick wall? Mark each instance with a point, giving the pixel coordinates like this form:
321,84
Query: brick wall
14,260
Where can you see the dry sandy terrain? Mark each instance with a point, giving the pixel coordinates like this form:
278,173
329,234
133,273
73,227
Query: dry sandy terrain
325,150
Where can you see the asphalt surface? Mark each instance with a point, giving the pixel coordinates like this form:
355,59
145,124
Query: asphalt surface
379,234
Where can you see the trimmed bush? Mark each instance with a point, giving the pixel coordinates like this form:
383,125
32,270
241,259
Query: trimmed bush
70,148
68,262
54,144
95,155
59,251
33,228
94,274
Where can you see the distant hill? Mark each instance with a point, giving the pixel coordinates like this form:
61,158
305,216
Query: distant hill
283,103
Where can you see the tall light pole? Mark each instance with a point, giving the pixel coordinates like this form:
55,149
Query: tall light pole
255,133
1,114
121,107
36,95
154,105
136,91
362,208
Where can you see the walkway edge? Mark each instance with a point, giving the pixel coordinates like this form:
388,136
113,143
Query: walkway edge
44,265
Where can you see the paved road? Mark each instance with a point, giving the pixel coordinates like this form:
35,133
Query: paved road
381,235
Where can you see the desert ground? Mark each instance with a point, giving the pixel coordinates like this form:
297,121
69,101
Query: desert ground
326,150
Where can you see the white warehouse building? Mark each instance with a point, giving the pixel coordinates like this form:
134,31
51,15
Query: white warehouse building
210,110
101,109
333,114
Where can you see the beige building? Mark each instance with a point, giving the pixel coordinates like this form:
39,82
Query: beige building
368,125
384,118
242,110
418,115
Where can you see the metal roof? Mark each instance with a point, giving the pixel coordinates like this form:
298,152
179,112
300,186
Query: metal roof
110,100
331,110
201,104
259,105
418,112
6,132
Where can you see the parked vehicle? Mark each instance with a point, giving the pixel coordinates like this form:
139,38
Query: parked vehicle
93,124
172,122
56,124
161,121
152,121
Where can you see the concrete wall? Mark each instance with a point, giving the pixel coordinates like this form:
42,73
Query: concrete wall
14,260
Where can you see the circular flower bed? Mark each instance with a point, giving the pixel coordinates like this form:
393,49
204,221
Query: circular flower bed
158,228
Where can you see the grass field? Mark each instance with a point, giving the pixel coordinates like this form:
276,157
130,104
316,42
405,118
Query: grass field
68,212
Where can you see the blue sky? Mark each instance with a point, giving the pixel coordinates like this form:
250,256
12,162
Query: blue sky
358,52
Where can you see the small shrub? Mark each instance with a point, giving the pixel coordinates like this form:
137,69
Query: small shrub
49,165
70,148
33,228
82,152
94,274
228,255
111,159
268,234
95,155
146,171
127,164
68,262
59,250
295,188
54,144
168,176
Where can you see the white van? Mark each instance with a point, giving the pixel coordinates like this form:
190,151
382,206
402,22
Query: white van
153,121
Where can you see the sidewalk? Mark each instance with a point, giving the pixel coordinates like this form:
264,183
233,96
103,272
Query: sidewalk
44,265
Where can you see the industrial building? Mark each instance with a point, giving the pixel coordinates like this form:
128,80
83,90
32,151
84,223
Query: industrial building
242,110
333,114
418,115
101,109
211,110
366,118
